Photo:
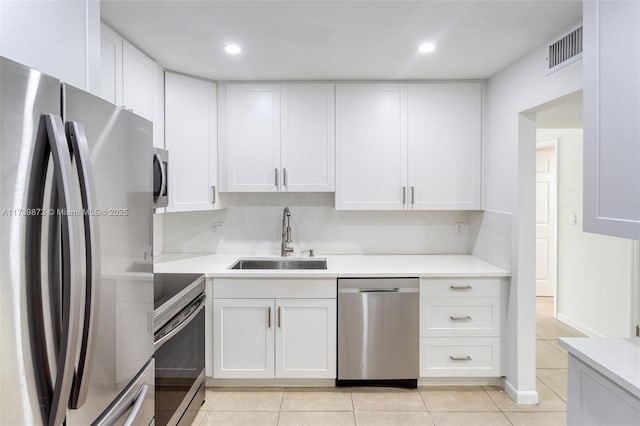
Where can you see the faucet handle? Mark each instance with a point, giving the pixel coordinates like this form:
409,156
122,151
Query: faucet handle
310,251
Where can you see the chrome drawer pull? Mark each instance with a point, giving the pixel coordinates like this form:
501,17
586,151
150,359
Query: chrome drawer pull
460,287
460,358
465,318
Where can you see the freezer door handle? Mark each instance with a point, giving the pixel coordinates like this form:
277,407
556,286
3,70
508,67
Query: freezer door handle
80,151
137,406
51,142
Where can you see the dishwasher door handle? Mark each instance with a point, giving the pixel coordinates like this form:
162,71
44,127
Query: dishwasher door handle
380,290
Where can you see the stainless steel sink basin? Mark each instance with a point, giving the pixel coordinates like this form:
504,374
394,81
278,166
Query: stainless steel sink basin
280,264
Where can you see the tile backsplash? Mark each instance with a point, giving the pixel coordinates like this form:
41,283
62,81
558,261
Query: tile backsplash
253,221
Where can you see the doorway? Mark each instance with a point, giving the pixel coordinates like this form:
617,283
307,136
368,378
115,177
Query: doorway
546,217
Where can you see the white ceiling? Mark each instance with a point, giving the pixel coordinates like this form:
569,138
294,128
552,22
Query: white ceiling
338,40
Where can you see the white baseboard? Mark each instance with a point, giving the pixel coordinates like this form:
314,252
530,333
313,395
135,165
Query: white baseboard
460,381
581,328
211,382
520,397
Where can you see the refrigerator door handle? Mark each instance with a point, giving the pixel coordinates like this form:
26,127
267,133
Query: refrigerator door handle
51,142
80,152
137,406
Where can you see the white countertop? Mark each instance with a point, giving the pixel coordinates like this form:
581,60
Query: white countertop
614,357
216,265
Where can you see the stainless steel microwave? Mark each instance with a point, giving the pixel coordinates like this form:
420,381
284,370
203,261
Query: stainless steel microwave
160,177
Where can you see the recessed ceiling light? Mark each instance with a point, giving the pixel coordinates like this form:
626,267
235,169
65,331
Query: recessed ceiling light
426,47
233,48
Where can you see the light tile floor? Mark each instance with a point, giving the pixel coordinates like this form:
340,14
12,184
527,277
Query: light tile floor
441,406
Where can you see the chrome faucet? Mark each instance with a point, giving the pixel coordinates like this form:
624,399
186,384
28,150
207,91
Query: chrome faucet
286,249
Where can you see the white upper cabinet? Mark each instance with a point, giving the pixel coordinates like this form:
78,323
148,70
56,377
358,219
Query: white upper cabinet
307,151
191,138
139,77
611,109
408,146
253,137
279,137
132,80
444,146
110,65
371,147
59,38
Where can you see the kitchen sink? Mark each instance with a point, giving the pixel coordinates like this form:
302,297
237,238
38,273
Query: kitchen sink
280,264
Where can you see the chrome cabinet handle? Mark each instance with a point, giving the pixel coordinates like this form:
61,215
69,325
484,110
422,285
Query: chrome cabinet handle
277,179
269,317
461,318
80,147
213,195
460,358
413,195
460,287
279,318
404,195
284,176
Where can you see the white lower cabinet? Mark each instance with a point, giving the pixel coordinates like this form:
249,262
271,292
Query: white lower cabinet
461,323
274,338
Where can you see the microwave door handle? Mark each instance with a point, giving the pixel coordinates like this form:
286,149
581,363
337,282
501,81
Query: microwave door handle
163,174
78,140
51,132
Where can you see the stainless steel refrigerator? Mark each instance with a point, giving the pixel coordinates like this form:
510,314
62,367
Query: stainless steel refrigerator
76,281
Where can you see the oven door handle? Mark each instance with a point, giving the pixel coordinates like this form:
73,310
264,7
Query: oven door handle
158,343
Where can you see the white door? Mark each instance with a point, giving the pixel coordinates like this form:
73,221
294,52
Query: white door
307,150
306,338
253,137
444,146
191,138
243,333
371,147
545,221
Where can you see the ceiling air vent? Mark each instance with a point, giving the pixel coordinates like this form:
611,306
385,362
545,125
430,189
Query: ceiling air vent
564,49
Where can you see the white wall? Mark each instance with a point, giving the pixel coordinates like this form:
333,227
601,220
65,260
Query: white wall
509,157
252,225
60,38
594,271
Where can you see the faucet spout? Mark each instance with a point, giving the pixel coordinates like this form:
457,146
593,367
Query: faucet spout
285,246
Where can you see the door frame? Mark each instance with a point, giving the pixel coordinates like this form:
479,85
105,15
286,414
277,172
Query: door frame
635,288
553,143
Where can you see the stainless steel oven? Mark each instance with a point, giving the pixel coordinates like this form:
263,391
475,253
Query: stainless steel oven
160,177
179,347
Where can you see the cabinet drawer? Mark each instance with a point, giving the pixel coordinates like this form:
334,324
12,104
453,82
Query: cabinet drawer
463,357
459,317
460,287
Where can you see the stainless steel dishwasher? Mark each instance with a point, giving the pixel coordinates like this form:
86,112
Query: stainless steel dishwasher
378,341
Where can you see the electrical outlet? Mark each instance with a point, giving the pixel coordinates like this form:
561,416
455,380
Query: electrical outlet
217,227
459,228
573,219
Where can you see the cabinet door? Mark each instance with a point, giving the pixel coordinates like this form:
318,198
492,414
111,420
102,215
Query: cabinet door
253,138
110,65
611,126
191,139
243,338
308,140
444,146
139,78
306,338
371,147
